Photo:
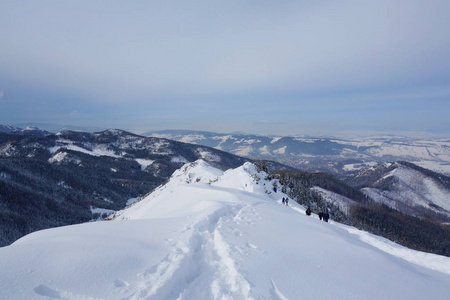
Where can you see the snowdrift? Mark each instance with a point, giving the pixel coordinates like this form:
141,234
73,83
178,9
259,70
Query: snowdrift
208,234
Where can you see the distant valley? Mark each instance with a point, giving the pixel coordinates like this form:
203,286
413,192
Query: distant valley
341,157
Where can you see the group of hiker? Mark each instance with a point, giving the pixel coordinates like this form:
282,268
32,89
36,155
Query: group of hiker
323,215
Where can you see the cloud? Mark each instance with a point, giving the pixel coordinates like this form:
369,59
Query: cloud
180,49
74,113
270,122
308,63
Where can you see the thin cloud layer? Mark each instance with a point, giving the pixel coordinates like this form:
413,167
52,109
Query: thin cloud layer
258,57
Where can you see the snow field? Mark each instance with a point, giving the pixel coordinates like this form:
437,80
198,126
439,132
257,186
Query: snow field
208,234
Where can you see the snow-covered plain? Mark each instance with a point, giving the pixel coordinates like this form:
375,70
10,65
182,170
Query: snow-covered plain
209,234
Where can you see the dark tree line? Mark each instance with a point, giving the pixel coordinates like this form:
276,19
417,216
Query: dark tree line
409,231
36,195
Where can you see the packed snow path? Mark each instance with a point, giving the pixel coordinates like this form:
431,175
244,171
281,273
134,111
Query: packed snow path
209,235
199,258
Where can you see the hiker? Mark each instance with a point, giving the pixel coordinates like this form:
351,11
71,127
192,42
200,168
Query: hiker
283,200
326,215
287,201
308,211
320,215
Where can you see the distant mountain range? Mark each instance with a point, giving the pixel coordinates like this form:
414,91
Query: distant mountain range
30,130
341,157
49,180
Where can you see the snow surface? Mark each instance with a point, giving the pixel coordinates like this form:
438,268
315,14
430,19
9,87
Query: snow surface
131,201
191,138
264,151
209,234
222,139
101,212
275,139
58,157
436,166
342,202
359,166
244,150
144,163
414,188
97,150
281,150
205,154
179,159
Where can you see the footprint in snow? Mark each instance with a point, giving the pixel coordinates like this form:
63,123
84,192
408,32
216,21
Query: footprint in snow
237,233
45,291
251,245
120,284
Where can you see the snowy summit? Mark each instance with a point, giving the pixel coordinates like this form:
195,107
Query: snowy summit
208,234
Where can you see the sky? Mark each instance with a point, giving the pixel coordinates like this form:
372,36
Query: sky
267,67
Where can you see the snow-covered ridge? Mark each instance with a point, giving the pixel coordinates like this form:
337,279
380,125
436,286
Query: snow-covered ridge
29,130
408,187
113,143
209,234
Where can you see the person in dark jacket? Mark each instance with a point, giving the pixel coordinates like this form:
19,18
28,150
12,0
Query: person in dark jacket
320,215
326,215
308,211
283,200
287,201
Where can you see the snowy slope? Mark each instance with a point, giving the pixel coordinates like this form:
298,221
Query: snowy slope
342,202
409,188
208,234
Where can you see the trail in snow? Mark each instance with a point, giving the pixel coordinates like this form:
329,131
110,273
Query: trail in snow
200,257
213,235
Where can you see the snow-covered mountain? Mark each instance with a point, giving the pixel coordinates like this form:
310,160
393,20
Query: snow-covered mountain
72,177
8,128
333,155
407,188
29,130
209,234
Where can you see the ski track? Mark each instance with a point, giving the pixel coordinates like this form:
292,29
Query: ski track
200,257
